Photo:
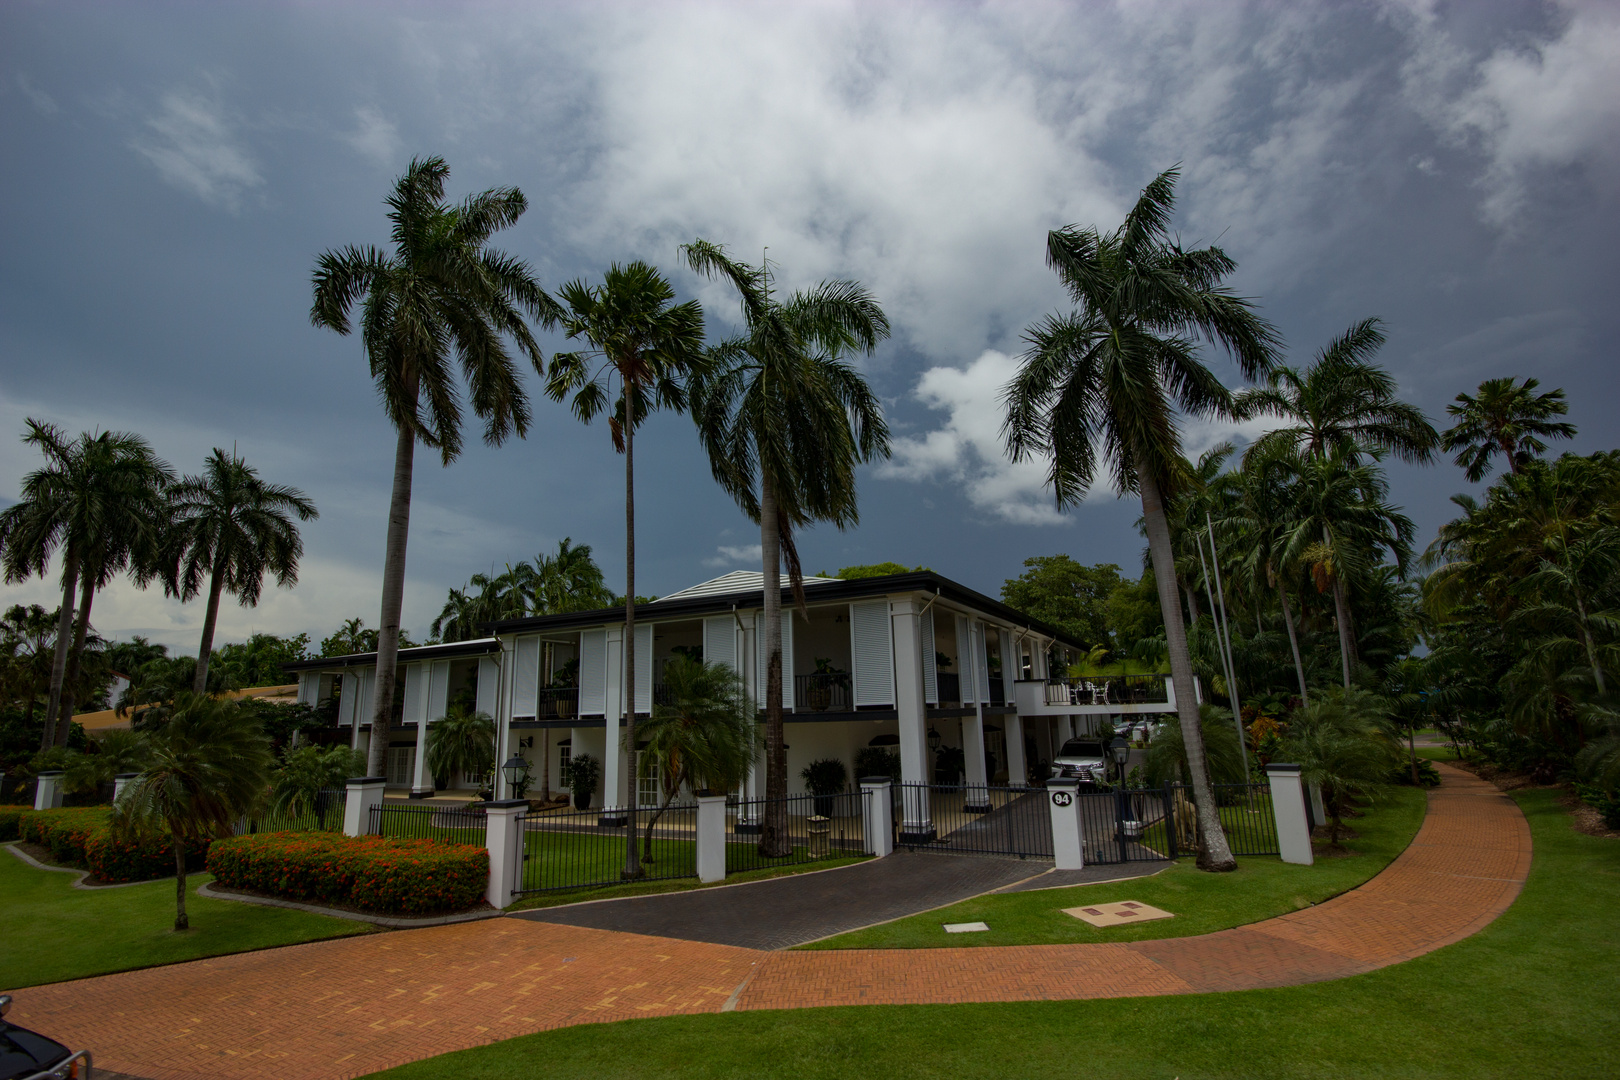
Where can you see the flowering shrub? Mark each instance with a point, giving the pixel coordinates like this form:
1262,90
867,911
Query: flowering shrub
64,831
11,820
82,836
373,873
127,860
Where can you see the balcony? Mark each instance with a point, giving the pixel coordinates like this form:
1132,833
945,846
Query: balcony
561,703
1106,694
822,693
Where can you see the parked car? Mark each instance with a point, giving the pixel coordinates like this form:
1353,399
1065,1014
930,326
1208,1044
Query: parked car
1085,760
28,1055
1144,731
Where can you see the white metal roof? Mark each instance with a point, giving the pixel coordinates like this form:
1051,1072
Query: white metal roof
735,582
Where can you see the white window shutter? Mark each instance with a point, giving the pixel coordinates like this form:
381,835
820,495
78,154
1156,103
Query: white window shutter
489,674
644,667
981,660
593,672
309,687
1012,664
787,660
930,669
366,695
526,677
720,641
349,701
965,665
872,649
438,690
415,693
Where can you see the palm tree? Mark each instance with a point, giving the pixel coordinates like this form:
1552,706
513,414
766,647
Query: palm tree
462,740
1342,744
306,773
704,738
208,766
648,346
230,529
1106,381
99,498
442,293
1507,418
1341,404
28,632
570,580
486,599
786,420
1266,503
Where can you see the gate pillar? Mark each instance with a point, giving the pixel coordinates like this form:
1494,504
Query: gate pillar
1068,837
877,815
48,790
363,793
711,838
1288,804
503,836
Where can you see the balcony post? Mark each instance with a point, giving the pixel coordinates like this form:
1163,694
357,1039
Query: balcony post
916,824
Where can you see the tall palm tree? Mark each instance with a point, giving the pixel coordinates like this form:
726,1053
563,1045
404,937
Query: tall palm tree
1106,381
206,767
441,294
100,500
1266,503
569,580
1507,418
648,347
1342,403
230,529
786,420
28,632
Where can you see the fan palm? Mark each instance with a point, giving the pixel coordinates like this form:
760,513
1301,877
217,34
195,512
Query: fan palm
1507,418
1105,382
99,499
1342,404
785,421
230,530
570,580
463,741
208,766
442,292
648,347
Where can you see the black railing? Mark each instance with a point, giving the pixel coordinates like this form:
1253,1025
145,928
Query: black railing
326,814
822,692
1248,818
1109,690
453,824
973,819
806,838
950,687
561,703
573,850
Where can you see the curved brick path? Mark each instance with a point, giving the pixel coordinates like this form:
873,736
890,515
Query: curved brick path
349,1007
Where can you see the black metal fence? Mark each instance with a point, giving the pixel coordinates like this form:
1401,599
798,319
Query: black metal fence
973,819
817,827
326,814
1248,818
1129,825
822,692
573,850
453,824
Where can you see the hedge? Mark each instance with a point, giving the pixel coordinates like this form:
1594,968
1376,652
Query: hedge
64,831
11,820
82,836
372,873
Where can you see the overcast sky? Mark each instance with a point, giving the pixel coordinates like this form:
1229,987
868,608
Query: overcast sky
171,171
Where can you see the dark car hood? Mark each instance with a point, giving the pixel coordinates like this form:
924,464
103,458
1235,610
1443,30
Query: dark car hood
23,1053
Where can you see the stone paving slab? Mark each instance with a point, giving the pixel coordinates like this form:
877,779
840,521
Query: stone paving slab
351,1006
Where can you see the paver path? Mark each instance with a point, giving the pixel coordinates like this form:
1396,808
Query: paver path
352,1006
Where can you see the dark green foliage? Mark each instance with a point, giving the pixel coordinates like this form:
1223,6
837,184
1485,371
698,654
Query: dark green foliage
877,761
258,661
372,873
1428,775
872,570
825,776
1070,596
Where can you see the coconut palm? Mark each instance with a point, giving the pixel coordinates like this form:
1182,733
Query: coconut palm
486,599
644,348
442,294
463,740
569,580
703,738
786,420
99,499
1266,503
1104,383
230,530
27,635
1507,418
1342,404
209,765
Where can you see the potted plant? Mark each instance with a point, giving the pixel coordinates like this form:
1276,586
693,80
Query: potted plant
826,778
819,694
584,774
567,678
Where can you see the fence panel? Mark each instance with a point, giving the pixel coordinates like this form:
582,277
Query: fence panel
325,815
1017,823
1247,817
1127,825
807,840
571,850
452,824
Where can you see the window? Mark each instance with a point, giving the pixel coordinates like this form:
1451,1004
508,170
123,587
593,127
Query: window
565,753
648,787
401,765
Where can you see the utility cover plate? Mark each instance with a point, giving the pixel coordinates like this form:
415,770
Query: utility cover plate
1126,911
965,927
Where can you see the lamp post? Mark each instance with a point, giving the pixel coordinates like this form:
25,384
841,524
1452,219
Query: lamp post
1122,752
515,769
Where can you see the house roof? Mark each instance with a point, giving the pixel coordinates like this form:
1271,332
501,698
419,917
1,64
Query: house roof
109,720
449,650
745,589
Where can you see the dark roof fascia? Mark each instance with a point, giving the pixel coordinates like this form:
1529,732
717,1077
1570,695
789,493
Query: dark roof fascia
662,610
448,651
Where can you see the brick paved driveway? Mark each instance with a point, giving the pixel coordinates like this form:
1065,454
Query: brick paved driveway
352,1006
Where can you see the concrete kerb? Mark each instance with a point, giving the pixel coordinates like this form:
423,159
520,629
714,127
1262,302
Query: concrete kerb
391,922
78,883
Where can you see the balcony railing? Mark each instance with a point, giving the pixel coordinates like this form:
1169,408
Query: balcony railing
950,689
1108,690
822,692
559,704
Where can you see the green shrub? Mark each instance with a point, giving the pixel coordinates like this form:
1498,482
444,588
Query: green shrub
64,831
115,860
81,836
372,873
1604,801
1428,775
11,821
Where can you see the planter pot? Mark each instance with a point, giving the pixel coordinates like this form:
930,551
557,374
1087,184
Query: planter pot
565,710
818,698
582,800
825,804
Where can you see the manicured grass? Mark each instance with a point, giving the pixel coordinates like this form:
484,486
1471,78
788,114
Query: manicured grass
50,931
1260,888
649,888
1532,996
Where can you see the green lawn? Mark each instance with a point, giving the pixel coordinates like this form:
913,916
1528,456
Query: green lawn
50,931
1260,888
1533,995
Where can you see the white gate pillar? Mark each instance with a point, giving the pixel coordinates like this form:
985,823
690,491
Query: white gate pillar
1068,837
363,792
121,781
916,824
711,838
1288,805
503,836
48,790
877,815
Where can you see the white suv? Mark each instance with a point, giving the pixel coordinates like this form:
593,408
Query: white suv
1085,760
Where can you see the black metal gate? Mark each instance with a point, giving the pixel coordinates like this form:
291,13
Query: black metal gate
1129,825
973,820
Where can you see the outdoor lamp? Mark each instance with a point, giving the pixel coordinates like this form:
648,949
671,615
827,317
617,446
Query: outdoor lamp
515,767
933,739
1121,749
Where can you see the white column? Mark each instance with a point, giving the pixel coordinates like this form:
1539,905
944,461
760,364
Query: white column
121,781
711,838
1068,837
877,815
615,791
363,793
503,836
48,790
915,821
503,716
1288,804
421,784
1017,766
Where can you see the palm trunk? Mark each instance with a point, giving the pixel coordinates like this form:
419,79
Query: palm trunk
1192,605
393,596
181,922
199,685
1293,640
1591,646
81,630
632,857
774,840
1341,616
64,639
1214,852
